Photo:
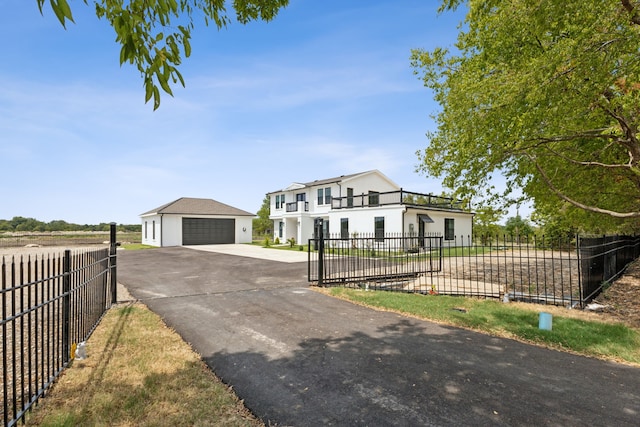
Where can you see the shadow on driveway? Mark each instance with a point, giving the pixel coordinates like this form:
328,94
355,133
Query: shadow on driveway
298,357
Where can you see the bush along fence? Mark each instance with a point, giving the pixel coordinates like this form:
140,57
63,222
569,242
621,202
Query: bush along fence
50,305
568,271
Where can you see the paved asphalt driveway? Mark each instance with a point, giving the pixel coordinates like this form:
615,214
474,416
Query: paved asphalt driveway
300,358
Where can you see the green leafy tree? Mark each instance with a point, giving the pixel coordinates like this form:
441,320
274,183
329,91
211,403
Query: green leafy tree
546,93
262,225
518,227
155,34
58,225
485,223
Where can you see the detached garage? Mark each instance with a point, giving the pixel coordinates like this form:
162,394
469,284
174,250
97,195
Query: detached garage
190,221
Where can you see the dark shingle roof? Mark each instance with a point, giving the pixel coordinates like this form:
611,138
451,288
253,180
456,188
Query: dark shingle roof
332,180
325,181
193,206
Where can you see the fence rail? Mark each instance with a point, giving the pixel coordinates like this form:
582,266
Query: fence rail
386,261
50,303
568,271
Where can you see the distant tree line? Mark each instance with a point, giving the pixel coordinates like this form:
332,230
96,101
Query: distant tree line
18,223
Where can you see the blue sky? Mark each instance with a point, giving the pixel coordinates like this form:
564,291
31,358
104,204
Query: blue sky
323,90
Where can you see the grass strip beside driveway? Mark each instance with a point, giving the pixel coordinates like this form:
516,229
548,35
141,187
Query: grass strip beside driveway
605,340
139,372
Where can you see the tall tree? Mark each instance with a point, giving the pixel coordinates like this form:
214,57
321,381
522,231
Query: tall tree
548,94
262,225
155,34
485,222
517,226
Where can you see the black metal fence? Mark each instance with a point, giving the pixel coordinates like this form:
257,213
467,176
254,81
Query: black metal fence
387,261
602,259
568,271
50,303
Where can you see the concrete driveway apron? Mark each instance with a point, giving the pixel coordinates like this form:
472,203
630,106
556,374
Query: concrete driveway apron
300,358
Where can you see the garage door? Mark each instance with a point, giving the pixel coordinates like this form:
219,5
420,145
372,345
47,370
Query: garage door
207,231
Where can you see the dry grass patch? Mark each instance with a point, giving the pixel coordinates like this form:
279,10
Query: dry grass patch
139,373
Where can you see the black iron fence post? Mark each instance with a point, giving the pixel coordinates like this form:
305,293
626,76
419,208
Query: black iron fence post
319,222
66,306
113,263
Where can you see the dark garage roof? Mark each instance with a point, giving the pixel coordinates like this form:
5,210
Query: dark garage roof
194,206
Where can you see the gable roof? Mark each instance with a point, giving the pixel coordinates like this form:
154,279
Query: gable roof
332,180
194,206
341,178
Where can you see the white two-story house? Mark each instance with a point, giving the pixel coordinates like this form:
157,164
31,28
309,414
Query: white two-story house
366,203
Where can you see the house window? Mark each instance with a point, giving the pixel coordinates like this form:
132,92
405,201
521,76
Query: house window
300,197
374,198
349,197
449,231
279,201
281,229
325,229
146,235
344,228
153,230
324,196
379,228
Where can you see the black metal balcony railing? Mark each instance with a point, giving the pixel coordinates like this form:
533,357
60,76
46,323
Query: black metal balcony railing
295,206
397,198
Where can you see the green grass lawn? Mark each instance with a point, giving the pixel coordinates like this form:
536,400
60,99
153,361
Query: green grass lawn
136,246
139,372
591,338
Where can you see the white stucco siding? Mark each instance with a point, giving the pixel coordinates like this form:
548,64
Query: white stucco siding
365,183
244,229
151,230
362,221
462,224
172,230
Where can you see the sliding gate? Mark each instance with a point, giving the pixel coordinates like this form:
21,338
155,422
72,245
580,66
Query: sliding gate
380,262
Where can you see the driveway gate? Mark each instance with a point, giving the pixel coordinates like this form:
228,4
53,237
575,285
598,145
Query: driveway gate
386,260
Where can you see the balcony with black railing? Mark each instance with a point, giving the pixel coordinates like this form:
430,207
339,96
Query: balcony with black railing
401,197
299,206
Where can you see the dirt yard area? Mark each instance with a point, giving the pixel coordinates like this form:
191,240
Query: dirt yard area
621,300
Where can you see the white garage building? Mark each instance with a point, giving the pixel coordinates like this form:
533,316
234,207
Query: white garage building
192,221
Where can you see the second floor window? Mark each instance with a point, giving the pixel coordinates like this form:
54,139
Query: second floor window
324,196
374,198
279,201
